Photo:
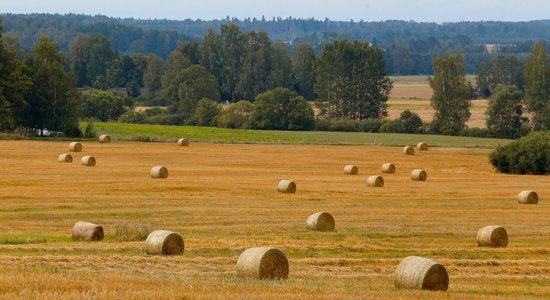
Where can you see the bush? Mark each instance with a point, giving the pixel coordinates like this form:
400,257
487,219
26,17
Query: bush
103,105
392,126
344,125
282,109
370,125
133,117
528,155
322,124
206,113
237,115
89,132
165,119
476,132
410,122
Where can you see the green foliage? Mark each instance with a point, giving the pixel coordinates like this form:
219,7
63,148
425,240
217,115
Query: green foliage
206,114
191,85
303,69
132,117
52,100
123,72
501,70
90,132
351,81
476,132
237,115
450,94
103,105
370,125
391,126
505,113
282,109
90,56
14,84
537,85
528,155
411,122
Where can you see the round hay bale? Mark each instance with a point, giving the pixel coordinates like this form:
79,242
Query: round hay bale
65,158
263,263
164,242
492,236
421,273
419,175
159,172
86,231
351,170
75,147
320,221
286,186
528,197
422,146
88,161
183,142
104,139
375,181
388,168
408,150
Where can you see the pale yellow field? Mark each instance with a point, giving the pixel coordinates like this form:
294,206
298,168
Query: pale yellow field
222,198
414,93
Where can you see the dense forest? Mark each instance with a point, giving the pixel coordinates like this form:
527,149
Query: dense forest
408,47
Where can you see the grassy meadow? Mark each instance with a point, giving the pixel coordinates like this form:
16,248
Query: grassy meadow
222,199
160,133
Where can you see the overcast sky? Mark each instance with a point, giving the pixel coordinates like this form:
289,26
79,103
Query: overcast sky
368,10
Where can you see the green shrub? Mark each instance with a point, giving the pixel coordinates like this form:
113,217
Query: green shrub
370,125
322,124
528,155
410,122
206,113
237,115
133,117
165,119
344,125
476,132
89,132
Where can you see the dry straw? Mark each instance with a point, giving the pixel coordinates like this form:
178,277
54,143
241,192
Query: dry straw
263,263
375,181
351,170
422,146
85,231
104,139
528,197
159,172
492,236
183,142
164,242
320,221
286,186
421,273
75,147
88,161
65,158
408,150
388,168
419,175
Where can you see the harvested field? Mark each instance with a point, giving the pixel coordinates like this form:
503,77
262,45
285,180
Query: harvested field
221,199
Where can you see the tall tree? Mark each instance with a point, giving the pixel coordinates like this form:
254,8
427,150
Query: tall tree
232,51
303,70
14,84
501,70
123,72
177,61
256,65
450,94
90,56
505,113
352,81
151,75
190,86
53,99
280,74
537,84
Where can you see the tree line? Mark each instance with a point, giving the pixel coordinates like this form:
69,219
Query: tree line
268,87
408,47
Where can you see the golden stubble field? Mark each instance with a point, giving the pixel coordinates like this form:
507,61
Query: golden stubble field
222,198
